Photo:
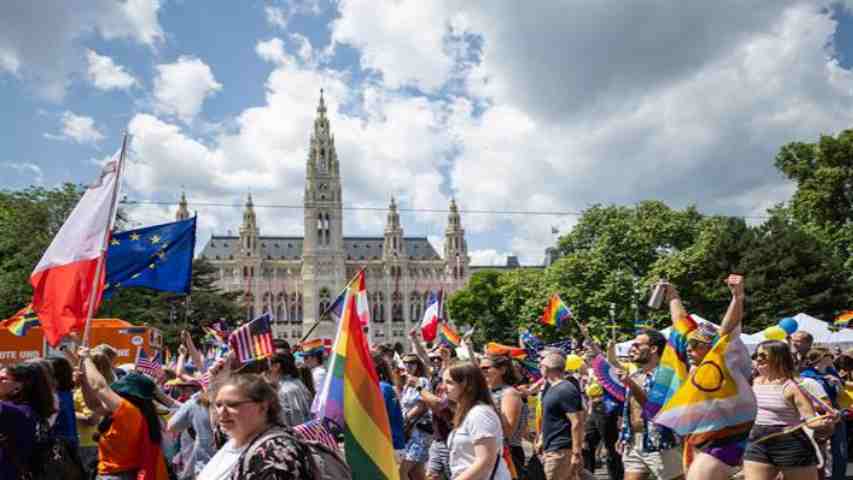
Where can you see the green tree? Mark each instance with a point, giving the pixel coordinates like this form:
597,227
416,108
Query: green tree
29,219
478,305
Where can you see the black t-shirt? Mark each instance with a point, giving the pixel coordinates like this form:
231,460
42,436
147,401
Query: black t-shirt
558,401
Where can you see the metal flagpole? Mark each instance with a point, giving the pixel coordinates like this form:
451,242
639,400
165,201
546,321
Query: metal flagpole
329,308
104,243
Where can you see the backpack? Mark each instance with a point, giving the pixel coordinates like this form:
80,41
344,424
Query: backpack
326,463
53,458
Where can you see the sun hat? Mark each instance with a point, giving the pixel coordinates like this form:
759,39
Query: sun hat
135,385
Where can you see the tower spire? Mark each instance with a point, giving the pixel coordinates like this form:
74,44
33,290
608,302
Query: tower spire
183,212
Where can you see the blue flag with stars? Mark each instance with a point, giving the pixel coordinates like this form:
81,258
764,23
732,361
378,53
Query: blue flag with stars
158,257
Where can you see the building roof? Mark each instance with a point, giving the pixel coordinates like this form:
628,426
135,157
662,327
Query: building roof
290,248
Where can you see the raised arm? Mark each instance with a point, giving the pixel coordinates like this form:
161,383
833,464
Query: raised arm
195,355
418,347
107,401
676,308
734,315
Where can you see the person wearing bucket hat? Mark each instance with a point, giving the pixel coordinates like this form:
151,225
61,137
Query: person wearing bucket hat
129,436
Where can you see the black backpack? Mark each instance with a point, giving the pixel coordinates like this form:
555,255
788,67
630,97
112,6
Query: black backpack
326,463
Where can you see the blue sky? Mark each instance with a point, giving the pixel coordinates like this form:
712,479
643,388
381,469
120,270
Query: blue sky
552,108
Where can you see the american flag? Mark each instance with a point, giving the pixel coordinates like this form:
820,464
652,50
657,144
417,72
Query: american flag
315,431
252,341
148,366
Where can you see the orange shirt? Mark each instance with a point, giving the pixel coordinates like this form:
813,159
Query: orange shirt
120,447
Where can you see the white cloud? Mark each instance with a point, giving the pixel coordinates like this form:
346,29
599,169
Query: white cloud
276,16
26,167
279,16
180,88
106,75
489,257
77,128
40,39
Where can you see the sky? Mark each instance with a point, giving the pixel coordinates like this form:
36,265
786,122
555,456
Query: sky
550,106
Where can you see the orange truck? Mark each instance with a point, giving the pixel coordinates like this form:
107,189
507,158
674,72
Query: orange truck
125,337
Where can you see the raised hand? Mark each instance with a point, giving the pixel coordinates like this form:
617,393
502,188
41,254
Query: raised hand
735,284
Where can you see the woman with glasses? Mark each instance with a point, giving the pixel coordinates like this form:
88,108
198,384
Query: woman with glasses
778,444
247,410
501,378
477,438
26,402
417,420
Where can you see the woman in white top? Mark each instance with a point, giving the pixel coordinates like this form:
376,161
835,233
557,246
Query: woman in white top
476,442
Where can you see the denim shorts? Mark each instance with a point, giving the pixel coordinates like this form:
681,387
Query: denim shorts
791,450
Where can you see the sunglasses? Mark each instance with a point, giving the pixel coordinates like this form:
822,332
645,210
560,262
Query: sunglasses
697,344
486,368
761,356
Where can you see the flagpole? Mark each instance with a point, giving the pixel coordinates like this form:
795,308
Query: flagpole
102,258
329,308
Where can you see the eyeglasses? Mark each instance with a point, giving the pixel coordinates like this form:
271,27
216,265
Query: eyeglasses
761,356
232,406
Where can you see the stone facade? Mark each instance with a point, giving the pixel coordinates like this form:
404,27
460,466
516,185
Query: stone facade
296,278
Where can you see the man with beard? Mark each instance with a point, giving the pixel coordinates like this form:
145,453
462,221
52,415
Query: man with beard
647,448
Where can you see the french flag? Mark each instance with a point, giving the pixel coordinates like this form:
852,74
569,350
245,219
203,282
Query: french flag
432,316
69,279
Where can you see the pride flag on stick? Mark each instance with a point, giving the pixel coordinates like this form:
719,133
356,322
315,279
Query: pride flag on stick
556,313
351,398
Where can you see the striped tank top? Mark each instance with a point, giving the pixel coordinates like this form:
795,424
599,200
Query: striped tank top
773,409
517,435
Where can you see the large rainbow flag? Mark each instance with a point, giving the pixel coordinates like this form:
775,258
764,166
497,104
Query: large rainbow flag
352,399
673,368
21,322
556,312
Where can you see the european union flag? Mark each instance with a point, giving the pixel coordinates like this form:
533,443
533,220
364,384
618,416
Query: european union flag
158,257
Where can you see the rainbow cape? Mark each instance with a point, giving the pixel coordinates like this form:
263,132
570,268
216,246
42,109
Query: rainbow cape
672,369
607,378
556,312
21,322
351,398
448,336
843,319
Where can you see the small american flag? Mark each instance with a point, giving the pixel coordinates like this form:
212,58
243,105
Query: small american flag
315,431
252,341
204,380
148,366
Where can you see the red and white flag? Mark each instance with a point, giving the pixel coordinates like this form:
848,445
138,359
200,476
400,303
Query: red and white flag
432,316
65,287
362,308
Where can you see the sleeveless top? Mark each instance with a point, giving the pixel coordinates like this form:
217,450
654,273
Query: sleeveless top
517,434
773,409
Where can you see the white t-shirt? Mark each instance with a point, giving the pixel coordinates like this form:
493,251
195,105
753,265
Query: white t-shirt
220,466
481,422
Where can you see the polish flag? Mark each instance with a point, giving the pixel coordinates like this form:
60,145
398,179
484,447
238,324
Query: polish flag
432,317
69,279
362,309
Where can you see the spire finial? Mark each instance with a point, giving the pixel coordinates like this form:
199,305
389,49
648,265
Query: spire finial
321,109
249,201
393,203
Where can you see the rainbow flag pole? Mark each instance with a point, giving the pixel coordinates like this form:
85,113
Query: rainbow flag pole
352,399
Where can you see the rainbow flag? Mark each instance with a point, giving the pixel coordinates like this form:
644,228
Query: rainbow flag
498,349
314,346
843,319
448,336
21,322
672,369
556,313
351,398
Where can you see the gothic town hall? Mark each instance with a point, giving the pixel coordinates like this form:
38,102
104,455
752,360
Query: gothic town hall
296,278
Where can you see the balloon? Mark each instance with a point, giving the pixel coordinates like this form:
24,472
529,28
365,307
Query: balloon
789,325
775,333
594,390
573,362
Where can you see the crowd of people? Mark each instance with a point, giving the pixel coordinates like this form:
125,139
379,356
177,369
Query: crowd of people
454,414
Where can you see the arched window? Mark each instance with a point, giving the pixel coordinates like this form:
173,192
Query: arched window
397,307
324,303
415,307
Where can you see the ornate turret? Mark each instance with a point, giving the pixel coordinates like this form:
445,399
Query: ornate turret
393,233
455,247
183,212
249,230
